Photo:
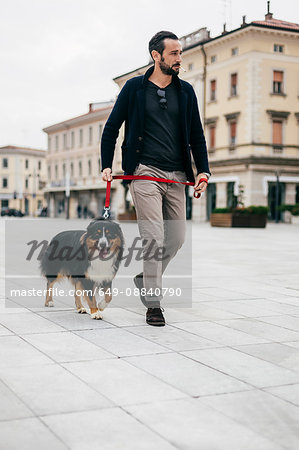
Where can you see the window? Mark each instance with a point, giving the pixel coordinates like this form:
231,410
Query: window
72,169
278,48
232,133
56,171
297,194
277,82
213,90
26,183
5,163
81,137
4,182
213,59
100,131
26,164
39,165
212,134
233,84
64,141
72,139
90,135
235,51
49,143
190,66
89,167
56,142
63,170
80,168
49,173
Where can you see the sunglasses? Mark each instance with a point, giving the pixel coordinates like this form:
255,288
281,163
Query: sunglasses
163,101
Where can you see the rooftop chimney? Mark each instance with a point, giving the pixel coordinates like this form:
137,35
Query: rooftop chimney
244,21
224,29
269,15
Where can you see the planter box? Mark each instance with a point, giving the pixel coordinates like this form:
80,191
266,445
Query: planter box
221,220
249,220
238,220
295,220
127,216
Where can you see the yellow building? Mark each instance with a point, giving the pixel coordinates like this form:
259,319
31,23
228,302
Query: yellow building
246,81
74,187
23,176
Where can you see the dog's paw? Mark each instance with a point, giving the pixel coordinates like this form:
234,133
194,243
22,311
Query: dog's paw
81,311
102,305
97,315
50,304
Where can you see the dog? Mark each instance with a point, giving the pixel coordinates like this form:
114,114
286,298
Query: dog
89,259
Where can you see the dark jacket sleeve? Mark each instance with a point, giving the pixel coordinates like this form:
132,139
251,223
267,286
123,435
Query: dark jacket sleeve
197,140
111,130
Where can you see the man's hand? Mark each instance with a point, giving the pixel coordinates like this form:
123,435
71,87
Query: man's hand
200,187
106,175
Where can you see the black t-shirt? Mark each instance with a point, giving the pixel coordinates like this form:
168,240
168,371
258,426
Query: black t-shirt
162,132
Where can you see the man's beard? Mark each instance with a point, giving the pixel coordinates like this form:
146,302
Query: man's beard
166,69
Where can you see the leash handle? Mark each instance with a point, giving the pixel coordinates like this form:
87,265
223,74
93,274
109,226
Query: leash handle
144,177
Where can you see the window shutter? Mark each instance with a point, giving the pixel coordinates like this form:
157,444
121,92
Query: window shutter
234,79
277,132
213,85
233,127
277,76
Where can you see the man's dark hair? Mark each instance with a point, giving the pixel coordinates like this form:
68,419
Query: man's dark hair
157,41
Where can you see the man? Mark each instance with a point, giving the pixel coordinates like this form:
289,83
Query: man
162,128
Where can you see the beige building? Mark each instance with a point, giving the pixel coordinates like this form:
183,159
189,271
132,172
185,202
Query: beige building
247,84
23,177
74,185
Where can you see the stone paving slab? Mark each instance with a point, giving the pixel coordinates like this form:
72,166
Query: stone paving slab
223,374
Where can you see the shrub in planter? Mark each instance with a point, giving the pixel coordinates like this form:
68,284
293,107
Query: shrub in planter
252,216
286,207
295,210
287,210
295,214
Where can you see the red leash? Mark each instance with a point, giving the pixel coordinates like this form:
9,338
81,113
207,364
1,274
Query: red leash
144,177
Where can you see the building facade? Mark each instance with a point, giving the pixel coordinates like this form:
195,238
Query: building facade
74,187
23,177
247,84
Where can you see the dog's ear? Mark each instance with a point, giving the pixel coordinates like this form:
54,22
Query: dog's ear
83,238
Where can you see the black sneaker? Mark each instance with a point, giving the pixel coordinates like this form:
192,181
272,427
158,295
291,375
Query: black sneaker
154,316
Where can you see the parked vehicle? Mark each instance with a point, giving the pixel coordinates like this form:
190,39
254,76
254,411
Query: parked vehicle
12,212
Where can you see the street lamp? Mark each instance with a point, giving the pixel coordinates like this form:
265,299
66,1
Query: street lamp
277,174
67,175
34,176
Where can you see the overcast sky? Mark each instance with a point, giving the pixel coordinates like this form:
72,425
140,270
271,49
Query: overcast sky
57,56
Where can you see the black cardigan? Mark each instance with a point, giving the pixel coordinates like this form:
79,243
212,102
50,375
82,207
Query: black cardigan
129,108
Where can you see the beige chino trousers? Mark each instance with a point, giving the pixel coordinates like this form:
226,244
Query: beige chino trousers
161,216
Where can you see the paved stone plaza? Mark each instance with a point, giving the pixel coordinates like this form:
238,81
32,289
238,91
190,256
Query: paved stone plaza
223,374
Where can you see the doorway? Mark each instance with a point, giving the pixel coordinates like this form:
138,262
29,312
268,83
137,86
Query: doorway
211,199
272,200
